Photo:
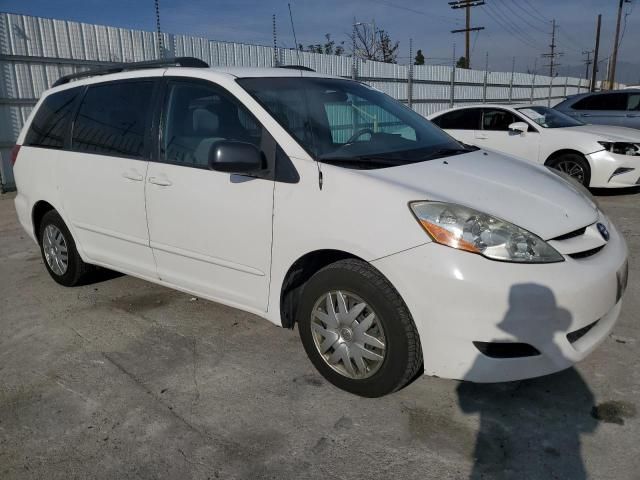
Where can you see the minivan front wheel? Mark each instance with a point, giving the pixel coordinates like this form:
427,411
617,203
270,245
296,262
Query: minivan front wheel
59,252
357,331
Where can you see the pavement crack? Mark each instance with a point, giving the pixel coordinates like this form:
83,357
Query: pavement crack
196,398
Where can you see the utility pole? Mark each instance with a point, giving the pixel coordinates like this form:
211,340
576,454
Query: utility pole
616,44
587,62
594,72
552,55
467,4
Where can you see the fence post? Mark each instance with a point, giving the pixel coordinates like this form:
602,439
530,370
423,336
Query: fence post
513,67
354,69
550,89
486,74
452,87
566,84
410,76
533,87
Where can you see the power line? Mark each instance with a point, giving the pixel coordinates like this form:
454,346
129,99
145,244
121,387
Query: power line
507,4
535,11
507,23
509,29
530,15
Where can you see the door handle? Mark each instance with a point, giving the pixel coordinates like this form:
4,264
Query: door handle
162,181
633,115
585,114
481,137
133,175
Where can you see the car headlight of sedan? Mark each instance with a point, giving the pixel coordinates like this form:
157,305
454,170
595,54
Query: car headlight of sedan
467,229
622,148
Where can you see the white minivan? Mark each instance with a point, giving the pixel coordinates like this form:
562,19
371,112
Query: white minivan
321,202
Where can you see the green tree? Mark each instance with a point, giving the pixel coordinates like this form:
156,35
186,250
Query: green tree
461,63
419,59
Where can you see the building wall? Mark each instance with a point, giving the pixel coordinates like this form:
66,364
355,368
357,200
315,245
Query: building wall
34,52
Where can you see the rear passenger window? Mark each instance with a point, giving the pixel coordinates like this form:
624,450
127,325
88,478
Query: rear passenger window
51,120
113,118
602,101
198,116
466,119
634,102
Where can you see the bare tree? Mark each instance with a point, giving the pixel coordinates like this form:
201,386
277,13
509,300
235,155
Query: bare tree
375,44
329,47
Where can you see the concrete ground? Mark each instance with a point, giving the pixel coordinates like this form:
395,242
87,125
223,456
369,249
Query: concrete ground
125,379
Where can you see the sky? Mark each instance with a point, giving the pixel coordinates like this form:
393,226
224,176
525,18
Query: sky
513,28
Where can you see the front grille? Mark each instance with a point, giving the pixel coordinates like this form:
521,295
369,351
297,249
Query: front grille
506,350
575,233
586,253
578,334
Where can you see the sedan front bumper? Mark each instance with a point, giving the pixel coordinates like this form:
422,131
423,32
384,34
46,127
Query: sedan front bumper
611,170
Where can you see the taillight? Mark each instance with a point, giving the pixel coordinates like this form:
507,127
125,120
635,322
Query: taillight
14,154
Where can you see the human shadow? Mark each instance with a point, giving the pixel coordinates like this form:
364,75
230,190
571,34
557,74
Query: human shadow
530,429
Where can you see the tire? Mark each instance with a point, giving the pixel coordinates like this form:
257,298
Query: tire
575,162
53,226
391,325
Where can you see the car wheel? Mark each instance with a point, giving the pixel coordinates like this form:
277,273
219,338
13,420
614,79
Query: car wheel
357,331
59,251
573,165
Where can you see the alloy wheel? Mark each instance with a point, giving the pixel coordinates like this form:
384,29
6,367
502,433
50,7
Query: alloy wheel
55,250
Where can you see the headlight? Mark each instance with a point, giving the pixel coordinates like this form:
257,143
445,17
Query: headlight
622,148
466,229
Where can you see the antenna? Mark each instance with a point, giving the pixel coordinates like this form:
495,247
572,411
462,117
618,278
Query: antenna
293,29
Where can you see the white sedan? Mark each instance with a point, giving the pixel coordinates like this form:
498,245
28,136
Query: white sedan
596,155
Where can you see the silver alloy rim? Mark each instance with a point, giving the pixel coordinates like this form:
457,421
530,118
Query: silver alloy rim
573,169
348,334
54,246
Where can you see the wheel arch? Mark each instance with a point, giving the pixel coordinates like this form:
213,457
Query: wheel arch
297,275
40,208
565,151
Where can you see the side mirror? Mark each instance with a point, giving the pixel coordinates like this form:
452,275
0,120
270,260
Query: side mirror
235,157
521,127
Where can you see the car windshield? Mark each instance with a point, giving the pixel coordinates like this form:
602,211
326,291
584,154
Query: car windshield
549,118
349,123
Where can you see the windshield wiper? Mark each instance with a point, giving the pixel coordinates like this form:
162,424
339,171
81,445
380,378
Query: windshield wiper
445,152
363,161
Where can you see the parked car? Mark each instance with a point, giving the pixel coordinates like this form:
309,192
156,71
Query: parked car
616,107
321,202
595,155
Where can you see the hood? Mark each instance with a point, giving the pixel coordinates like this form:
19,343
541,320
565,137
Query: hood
527,195
610,133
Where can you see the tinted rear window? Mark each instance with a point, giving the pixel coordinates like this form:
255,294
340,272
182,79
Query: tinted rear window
113,118
603,101
468,119
51,120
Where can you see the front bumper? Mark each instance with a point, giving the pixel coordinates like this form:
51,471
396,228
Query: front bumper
605,168
457,298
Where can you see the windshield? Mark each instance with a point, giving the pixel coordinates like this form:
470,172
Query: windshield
549,118
348,123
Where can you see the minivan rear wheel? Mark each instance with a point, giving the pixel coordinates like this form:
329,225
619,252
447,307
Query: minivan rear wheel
59,252
357,331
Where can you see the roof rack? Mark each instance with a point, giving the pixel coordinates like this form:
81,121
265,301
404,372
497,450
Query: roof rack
297,67
123,67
